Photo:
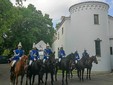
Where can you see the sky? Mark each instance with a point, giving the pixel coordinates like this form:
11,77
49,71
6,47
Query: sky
58,8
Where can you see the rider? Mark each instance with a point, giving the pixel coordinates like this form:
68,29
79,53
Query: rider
47,52
61,53
17,54
76,56
34,54
85,56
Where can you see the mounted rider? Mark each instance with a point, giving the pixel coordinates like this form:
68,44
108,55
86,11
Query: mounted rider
61,53
85,56
47,52
17,54
77,58
34,54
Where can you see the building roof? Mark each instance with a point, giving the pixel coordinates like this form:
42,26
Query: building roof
63,19
41,44
109,16
88,2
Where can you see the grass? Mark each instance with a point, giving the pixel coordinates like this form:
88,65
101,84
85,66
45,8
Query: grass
74,72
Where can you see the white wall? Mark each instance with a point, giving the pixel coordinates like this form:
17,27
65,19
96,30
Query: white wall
111,36
80,32
83,32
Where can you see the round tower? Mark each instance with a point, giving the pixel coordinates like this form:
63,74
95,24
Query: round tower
89,31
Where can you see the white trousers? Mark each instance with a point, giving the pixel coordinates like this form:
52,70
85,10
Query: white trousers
30,62
59,59
44,60
13,62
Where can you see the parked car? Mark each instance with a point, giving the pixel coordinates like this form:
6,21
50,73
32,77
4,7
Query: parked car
3,60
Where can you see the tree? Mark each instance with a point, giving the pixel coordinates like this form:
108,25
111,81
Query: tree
26,25
7,17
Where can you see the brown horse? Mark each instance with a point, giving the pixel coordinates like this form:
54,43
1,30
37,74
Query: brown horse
19,70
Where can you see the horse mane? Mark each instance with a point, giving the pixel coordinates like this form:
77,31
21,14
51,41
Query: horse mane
24,57
70,56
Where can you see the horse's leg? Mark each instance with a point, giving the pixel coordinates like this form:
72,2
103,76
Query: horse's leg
30,79
56,74
16,79
87,73
82,74
51,78
66,77
78,73
46,78
72,74
90,74
39,78
26,79
22,79
33,80
62,77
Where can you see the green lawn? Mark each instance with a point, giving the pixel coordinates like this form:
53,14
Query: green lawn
60,71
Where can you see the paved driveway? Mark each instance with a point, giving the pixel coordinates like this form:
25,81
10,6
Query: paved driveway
100,79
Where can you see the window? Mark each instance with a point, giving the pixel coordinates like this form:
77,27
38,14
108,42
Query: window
62,30
111,51
96,19
97,47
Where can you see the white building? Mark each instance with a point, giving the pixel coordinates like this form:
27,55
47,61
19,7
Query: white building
88,27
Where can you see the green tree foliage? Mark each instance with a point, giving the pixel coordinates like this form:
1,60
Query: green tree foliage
26,25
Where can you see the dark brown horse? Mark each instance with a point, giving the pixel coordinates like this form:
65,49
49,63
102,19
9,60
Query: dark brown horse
88,66
34,69
80,66
19,70
50,67
65,65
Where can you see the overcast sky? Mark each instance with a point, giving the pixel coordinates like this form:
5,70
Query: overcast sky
58,8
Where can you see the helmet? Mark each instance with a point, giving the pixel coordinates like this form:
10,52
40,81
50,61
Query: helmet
34,46
47,45
19,45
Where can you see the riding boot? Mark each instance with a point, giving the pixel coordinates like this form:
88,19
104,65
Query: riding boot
12,70
59,64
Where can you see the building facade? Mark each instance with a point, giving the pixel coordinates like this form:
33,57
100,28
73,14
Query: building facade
89,27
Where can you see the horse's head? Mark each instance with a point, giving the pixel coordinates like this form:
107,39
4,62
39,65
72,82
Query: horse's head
52,57
94,59
71,60
24,58
71,56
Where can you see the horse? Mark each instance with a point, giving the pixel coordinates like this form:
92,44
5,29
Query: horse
19,70
81,65
88,66
33,70
65,65
49,67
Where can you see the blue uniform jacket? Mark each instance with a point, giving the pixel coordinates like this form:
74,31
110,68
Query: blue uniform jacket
61,53
34,54
47,52
17,54
77,56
